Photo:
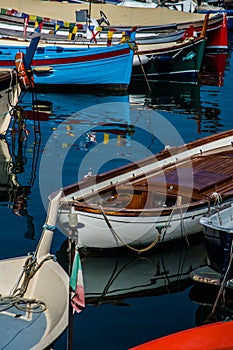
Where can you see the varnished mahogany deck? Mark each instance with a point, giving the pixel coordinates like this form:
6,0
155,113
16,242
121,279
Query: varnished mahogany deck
194,181
188,182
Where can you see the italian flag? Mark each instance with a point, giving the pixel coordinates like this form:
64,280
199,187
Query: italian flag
76,284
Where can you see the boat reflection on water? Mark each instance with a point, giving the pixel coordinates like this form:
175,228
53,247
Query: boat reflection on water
12,164
184,97
8,180
80,115
168,96
213,68
59,106
114,276
205,297
80,122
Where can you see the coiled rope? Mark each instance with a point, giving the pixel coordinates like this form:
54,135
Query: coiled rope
16,296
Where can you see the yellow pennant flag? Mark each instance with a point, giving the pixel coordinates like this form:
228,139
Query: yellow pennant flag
110,35
72,33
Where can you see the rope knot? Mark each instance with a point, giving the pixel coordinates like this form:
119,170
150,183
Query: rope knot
217,198
49,227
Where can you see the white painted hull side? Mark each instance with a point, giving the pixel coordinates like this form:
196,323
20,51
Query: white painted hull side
93,231
9,99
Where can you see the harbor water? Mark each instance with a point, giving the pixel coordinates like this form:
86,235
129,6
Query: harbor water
130,298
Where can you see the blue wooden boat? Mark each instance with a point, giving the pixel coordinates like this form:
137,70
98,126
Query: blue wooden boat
108,67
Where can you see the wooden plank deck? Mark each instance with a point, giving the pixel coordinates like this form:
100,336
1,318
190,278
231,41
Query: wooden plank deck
204,174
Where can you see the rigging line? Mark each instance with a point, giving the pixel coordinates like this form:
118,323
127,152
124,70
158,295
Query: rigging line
183,227
115,274
224,281
11,91
116,236
142,68
109,282
180,272
36,111
167,223
37,143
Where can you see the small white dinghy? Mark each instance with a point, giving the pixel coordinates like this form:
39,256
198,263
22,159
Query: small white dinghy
34,294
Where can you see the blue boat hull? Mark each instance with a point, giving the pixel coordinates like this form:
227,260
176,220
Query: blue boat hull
54,66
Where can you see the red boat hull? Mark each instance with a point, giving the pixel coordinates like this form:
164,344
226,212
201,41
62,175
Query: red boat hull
218,38
217,34
214,336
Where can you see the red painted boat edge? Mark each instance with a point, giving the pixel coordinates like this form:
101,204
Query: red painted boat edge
214,336
218,39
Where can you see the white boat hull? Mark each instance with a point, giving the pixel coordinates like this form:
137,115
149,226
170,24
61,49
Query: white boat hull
96,218
93,230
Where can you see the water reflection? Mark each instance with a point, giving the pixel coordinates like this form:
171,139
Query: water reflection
184,97
205,297
213,68
114,276
169,96
8,179
17,177
79,123
83,108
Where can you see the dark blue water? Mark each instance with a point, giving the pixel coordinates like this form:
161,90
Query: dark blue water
130,299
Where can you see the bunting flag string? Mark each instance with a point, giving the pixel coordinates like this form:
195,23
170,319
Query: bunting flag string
72,31
109,39
35,18
38,26
56,27
56,24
